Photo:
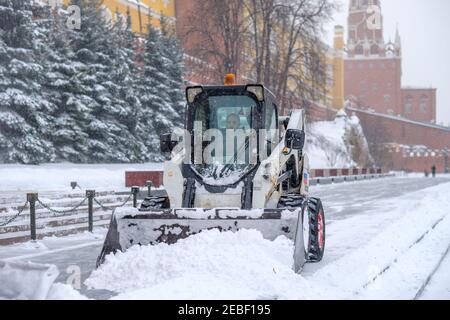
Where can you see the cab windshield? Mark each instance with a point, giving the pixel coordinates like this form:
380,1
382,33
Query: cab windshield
226,125
226,112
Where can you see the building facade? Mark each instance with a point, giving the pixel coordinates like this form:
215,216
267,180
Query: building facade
199,71
139,11
419,104
399,121
373,68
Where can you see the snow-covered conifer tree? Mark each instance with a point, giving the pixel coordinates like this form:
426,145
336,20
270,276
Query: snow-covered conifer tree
24,114
173,54
153,86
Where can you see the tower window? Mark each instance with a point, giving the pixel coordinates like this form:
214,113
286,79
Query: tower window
359,50
363,86
408,106
374,49
423,104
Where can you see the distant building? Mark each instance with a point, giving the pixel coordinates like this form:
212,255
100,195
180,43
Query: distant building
373,69
329,100
399,121
139,11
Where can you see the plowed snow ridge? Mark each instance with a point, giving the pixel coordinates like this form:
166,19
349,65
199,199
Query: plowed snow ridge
212,264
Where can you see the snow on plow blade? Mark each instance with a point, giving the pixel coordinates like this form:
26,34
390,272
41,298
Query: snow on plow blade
26,281
132,227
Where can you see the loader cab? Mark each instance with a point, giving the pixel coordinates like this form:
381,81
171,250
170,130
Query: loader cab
233,128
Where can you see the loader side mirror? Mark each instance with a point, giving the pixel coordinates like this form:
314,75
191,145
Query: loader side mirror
295,139
166,143
286,123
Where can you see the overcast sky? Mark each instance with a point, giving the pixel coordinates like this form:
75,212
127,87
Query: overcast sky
424,28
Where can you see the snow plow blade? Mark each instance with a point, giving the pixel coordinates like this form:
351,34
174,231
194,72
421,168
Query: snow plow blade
129,228
26,281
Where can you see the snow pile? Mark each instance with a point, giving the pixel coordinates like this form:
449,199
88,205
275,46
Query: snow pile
60,291
26,281
337,144
32,281
211,265
400,247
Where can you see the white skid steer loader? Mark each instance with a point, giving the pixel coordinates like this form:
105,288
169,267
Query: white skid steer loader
229,171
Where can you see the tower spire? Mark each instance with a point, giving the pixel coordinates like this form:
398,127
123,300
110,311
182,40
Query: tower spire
398,43
365,27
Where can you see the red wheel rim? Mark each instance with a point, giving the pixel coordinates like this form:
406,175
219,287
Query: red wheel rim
320,229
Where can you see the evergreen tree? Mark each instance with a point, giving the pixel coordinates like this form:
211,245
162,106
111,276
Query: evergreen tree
24,114
102,80
153,88
124,76
71,117
173,53
99,94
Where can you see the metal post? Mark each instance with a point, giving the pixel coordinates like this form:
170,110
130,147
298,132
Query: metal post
149,185
90,194
32,198
135,192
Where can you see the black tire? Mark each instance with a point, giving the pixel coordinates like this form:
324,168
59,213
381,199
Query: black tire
291,201
296,201
155,203
317,230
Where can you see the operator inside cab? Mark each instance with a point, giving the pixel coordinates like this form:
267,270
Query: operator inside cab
233,122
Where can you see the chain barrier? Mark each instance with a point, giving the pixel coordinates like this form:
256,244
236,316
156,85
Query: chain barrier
61,212
12,219
114,207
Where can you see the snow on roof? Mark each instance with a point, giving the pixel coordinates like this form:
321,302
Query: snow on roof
417,88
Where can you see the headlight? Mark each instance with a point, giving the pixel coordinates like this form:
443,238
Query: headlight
192,93
257,90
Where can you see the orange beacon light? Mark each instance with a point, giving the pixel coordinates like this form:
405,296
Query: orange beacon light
230,79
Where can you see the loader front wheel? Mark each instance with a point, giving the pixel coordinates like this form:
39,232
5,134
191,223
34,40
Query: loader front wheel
301,239
152,203
291,201
317,230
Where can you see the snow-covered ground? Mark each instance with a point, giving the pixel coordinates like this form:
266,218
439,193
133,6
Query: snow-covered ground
398,225
51,177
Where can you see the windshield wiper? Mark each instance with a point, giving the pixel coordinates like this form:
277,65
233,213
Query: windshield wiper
228,165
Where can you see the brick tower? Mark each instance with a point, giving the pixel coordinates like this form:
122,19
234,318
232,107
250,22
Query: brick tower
373,68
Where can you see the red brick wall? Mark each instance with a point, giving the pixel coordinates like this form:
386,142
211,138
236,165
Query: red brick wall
375,83
383,130
315,112
418,162
411,104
